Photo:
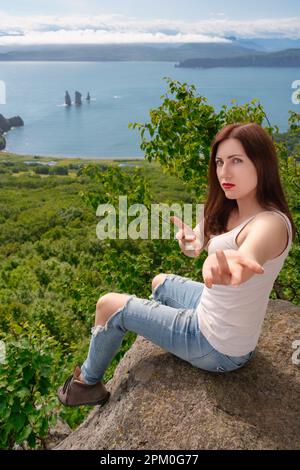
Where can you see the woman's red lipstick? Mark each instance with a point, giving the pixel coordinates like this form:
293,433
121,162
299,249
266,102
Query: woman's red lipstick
228,185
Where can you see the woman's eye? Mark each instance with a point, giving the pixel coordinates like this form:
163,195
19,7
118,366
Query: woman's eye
235,159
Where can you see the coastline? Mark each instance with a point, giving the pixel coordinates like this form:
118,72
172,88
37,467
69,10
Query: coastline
68,160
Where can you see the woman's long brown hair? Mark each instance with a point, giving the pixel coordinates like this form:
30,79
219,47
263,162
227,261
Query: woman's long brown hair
260,148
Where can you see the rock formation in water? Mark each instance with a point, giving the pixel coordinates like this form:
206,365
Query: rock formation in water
88,97
68,101
78,98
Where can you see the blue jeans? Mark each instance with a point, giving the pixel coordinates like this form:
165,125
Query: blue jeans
169,319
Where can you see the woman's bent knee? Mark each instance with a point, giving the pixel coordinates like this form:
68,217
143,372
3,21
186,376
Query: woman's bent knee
108,304
158,279
104,299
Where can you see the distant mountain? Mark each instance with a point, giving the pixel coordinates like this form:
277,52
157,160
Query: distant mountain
287,58
175,52
247,43
124,52
269,45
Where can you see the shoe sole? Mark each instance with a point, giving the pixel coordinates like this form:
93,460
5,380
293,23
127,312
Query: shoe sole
99,402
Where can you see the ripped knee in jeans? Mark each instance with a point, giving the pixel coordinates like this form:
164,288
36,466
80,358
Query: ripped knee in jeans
171,277
98,328
154,291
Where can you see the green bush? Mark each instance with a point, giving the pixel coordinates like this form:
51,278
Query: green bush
27,406
59,170
41,170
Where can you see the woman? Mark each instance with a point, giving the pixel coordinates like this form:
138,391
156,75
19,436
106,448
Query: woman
215,325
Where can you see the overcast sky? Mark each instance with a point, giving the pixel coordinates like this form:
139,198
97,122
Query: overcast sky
123,21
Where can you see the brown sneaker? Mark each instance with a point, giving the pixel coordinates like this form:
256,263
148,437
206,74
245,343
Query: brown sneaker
75,393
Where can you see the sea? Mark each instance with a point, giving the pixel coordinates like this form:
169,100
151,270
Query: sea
121,92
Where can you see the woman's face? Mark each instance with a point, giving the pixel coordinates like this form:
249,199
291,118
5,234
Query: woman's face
233,166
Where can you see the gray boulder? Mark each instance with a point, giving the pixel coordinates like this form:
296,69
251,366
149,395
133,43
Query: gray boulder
159,401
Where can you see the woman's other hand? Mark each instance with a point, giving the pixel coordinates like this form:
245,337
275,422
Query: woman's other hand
189,243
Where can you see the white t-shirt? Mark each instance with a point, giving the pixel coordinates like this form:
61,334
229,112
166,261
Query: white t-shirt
231,317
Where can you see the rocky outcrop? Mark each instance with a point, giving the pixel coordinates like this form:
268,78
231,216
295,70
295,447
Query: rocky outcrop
16,121
56,434
159,401
7,124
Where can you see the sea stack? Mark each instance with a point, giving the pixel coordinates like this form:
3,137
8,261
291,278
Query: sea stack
78,98
67,99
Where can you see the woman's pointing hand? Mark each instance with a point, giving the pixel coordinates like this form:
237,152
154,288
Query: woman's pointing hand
229,267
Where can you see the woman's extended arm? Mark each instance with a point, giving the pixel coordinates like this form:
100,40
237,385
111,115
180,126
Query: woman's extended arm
266,239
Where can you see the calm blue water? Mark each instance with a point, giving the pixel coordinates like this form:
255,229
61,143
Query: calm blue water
121,92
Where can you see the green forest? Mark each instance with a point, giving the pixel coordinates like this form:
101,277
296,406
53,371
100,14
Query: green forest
53,268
